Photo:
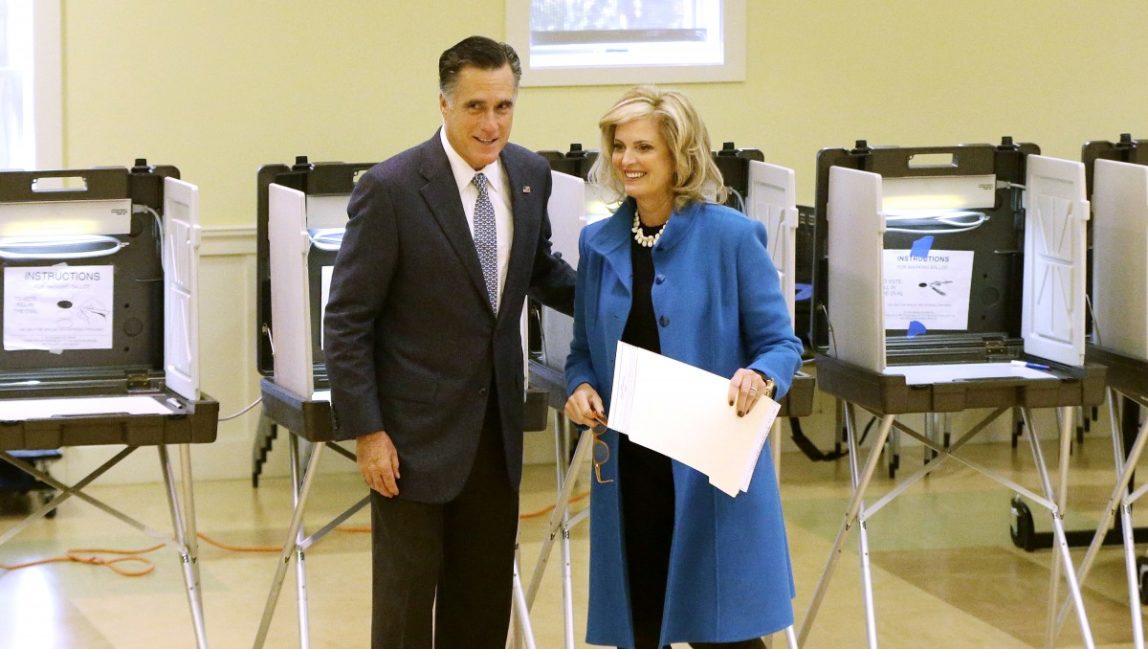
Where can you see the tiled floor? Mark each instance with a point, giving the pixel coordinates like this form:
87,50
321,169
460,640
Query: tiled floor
945,571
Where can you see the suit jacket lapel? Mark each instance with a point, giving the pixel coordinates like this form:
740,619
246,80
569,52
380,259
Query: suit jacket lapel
527,219
441,195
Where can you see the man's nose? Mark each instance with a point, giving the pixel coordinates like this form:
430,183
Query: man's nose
489,120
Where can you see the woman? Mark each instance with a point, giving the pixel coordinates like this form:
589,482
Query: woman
673,559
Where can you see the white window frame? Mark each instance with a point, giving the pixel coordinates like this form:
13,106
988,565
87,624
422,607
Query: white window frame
731,69
43,100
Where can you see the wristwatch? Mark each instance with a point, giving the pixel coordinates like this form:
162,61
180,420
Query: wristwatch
770,386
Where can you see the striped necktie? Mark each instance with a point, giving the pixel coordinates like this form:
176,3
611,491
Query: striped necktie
486,239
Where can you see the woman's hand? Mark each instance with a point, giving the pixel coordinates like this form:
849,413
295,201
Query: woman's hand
584,407
745,388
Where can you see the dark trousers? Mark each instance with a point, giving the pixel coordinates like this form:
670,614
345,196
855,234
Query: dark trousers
647,483
455,559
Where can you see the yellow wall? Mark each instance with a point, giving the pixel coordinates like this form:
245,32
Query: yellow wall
219,87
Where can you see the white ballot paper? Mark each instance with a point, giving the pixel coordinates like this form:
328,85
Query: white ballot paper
20,409
683,413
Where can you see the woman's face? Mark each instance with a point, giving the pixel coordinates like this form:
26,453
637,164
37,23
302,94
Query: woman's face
642,160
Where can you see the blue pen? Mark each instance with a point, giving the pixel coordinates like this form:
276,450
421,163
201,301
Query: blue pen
1031,366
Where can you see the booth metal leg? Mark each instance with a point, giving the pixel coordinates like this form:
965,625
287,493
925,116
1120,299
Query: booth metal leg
291,545
183,525
790,637
857,511
861,482
862,534
563,474
300,553
567,584
557,516
182,540
1130,567
67,491
1057,515
1120,501
524,638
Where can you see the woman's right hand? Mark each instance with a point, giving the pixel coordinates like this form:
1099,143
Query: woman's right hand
584,407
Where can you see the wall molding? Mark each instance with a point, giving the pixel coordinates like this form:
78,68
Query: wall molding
222,240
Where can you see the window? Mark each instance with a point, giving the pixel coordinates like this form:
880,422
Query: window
584,42
30,124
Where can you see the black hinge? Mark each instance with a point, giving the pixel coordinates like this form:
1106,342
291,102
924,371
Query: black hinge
995,346
138,381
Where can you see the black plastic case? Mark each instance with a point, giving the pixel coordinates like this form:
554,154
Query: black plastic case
994,332
134,365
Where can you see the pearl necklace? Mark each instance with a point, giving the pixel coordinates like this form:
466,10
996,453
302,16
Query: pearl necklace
643,239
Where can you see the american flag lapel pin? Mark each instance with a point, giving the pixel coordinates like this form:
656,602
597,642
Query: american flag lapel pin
526,189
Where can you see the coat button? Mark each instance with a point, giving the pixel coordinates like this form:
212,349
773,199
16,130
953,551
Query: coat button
659,279
482,391
664,321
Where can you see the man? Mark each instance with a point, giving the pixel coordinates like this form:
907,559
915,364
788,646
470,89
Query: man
425,355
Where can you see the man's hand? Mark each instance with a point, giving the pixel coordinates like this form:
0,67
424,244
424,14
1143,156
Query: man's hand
378,462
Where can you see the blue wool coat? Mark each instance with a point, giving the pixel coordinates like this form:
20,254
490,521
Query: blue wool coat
719,305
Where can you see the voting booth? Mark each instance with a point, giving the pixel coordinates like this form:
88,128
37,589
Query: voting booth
950,278
1117,174
302,213
100,332
763,192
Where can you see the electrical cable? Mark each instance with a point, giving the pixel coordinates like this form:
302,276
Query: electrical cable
243,411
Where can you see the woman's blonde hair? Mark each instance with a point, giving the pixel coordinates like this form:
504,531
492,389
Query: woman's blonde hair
696,178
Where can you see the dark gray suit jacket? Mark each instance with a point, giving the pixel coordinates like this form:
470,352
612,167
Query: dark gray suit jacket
410,339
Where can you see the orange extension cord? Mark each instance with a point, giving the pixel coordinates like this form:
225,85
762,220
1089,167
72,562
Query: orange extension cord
91,556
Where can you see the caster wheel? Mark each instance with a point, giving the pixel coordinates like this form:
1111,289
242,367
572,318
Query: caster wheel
1142,579
38,499
1022,529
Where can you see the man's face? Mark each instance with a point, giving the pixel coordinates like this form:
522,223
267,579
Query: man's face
478,113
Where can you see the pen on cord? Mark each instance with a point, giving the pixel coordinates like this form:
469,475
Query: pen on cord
1031,366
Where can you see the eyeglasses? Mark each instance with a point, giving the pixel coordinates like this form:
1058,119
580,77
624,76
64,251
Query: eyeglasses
601,453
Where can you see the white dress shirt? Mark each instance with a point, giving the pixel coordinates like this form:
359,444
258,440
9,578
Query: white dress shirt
498,186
